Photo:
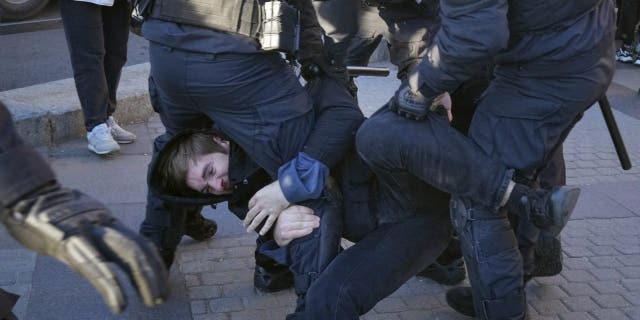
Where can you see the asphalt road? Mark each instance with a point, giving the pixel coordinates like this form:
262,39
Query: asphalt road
37,57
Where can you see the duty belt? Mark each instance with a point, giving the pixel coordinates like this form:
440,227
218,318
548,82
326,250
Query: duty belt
236,16
275,24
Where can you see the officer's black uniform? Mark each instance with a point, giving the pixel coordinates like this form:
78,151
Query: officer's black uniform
201,77
553,60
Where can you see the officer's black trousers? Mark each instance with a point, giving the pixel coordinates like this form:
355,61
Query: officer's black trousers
522,118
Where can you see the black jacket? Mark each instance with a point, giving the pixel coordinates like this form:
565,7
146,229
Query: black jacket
337,120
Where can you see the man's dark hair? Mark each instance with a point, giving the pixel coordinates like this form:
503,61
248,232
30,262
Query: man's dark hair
173,162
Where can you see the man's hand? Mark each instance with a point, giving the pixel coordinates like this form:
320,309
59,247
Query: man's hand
444,101
294,222
268,202
80,232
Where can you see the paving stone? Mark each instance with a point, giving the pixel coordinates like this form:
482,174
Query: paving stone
630,272
199,306
603,250
578,289
608,286
390,305
226,304
260,302
204,292
611,301
631,284
583,303
609,314
577,263
576,316
192,280
548,307
578,276
422,302
545,292
628,249
237,252
633,297
577,252
633,313
372,315
212,278
606,274
605,262
248,315
212,316
630,260
240,289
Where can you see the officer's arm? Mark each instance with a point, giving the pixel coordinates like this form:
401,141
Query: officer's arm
472,33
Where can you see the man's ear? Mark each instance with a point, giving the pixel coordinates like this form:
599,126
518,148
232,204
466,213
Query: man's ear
222,143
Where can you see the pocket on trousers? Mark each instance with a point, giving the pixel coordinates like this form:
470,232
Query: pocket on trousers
496,238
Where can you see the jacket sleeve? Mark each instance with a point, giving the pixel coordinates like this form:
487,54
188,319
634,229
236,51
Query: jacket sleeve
472,33
337,120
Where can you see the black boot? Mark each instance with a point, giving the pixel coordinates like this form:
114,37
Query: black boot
270,276
199,228
548,210
448,268
460,299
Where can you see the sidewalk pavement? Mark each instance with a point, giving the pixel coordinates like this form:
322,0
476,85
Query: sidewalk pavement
213,279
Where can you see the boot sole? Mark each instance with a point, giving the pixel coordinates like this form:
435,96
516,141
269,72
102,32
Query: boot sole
548,256
563,201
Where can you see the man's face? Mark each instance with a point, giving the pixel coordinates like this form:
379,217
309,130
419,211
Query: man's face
210,174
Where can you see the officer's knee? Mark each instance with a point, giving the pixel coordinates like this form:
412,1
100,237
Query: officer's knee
372,141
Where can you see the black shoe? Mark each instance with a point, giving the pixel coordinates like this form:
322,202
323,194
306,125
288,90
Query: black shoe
547,256
460,299
269,275
447,274
167,258
199,228
272,280
549,210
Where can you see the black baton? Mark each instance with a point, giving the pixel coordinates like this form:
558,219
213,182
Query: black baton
614,132
355,71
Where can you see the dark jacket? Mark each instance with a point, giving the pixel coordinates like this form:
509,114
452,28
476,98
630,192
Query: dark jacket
337,119
510,33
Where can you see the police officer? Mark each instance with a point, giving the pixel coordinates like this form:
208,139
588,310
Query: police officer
71,227
214,69
354,28
553,60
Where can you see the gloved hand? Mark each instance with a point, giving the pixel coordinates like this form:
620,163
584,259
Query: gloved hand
410,104
80,232
320,65
414,106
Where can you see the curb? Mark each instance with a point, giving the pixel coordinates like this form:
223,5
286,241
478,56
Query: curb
49,113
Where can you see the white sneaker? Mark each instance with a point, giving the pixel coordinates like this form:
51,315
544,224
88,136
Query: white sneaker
120,135
101,141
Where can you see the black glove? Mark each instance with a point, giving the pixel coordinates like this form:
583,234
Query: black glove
409,104
317,66
79,231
